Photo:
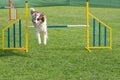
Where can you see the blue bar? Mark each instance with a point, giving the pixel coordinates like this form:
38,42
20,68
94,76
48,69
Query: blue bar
20,34
94,23
105,34
8,37
99,34
14,36
57,26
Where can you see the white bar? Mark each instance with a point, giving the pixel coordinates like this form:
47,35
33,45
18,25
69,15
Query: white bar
30,26
76,25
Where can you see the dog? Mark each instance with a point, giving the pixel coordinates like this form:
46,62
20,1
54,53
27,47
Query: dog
40,24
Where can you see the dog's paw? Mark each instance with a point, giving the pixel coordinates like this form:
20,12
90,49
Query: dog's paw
39,43
45,43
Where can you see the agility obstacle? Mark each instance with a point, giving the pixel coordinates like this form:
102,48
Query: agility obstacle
13,14
12,11
99,35
12,34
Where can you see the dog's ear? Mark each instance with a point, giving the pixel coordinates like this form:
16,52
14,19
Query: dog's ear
42,17
32,10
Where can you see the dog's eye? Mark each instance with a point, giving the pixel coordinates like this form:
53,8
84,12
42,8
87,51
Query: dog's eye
38,19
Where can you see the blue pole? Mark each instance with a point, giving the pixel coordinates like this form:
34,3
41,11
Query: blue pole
20,34
8,37
99,34
57,26
14,36
105,35
94,32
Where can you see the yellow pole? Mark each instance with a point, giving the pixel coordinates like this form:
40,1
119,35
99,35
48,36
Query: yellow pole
2,39
26,26
111,38
87,25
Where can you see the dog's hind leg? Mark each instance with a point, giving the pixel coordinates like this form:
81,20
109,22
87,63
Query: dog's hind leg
38,37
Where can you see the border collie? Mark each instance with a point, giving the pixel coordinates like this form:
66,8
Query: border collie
40,24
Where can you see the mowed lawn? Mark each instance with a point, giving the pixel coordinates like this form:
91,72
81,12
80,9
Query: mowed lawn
65,56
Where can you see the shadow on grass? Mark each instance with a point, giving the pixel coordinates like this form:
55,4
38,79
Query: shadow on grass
13,53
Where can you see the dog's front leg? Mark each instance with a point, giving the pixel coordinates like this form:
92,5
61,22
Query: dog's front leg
38,37
45,38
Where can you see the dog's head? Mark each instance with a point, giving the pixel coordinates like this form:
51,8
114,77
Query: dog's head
37,17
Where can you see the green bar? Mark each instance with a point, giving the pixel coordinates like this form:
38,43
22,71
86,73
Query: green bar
20,34
57,26
94,31
8,37
14,36
105,35
99,34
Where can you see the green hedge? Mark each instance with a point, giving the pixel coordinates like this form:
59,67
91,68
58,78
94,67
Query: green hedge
37,3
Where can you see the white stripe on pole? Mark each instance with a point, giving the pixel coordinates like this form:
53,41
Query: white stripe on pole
30,26
76,25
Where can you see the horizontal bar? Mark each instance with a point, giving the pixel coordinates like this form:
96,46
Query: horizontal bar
51,26
30,26
76,25
57,26
6,7
100,47
62,26
14,48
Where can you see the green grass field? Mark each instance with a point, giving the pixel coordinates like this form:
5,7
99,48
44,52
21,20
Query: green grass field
65,56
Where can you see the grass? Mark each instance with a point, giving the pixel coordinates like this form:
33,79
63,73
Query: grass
65,56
